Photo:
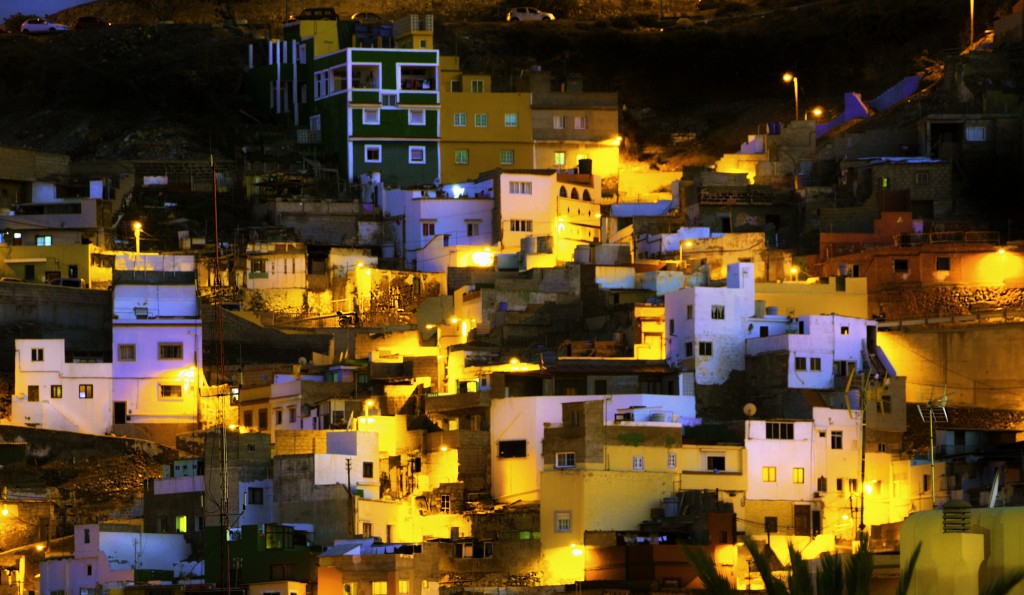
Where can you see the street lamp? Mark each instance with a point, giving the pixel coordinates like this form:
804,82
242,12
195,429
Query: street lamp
787,78
137,228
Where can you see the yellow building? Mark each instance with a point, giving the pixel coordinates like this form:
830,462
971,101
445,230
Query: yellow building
845,296
41,264
481,130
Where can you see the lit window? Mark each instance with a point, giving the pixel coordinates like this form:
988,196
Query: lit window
975,134
84,391
379,588
44,240
417,117
372,153
461,156
563,521
126,353
671,463
768,474
559,158
170,391
371,117
511,120
558,122
508,156
459,119
403,586
638,463
565,460
417,155
446,504
798,474
170,351
56,391
480,120
580,122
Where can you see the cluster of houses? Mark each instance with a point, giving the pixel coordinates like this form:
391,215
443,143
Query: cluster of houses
480,367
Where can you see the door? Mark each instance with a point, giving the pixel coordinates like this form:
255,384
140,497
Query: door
801,519
120,412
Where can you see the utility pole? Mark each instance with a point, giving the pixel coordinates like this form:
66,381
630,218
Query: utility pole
351,500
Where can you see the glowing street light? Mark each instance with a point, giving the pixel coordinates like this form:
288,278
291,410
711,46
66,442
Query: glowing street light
137,228
787,78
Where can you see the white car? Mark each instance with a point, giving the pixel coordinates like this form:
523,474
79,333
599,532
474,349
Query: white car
37,25
528,13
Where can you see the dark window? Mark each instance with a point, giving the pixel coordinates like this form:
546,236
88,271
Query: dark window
367,469
718,312
716,463
800,363
837,440
901,265
704,348
822,484
255,495
942,263
778,430
37,355
689,349
33,393
510,449
771,524
170,351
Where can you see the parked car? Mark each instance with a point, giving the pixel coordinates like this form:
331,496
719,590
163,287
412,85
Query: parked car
318,14
528,13
38,25
367,18
91,23
67,282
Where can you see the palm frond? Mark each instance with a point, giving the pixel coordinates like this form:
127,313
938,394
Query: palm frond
907,574
858,568
830,573
772,584
707,571
800,574
1003,583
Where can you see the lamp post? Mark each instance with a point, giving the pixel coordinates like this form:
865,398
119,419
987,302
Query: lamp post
787,78
137,228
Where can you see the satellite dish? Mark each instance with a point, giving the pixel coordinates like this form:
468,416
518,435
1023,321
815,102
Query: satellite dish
303,361
749,409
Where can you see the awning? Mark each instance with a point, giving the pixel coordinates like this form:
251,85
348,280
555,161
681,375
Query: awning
25,261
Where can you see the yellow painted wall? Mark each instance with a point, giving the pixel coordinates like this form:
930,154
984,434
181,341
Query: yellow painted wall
804,299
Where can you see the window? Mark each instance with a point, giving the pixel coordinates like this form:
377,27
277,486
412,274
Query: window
926,483
511,120
263,422
520,225
638,463
459,119
510,449
417,117
44,240
84,391
429,228
975,134
417,155
126,353
778,430
37,355
715,463
671,463
389,99
170,351
717,312
839,484
771,524
800,363
259,265
170,391
291,415
672,326
822,484
563,521
507,157
882,447
480,120
768,474
852,483
56,391
367,469
844,330
379,588
88,569
921,178
837,440
579,122
884,405
247,419
472,228
704,348
33,393
445,504
520,187
86,535
371,117
942,263
901,265
688,347
278,419
564,460
560,158
558,122
798,474
403,587
476,86
816,364
255,496
461,156
689,311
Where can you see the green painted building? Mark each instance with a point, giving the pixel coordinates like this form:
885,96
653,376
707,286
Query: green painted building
363,95
258,553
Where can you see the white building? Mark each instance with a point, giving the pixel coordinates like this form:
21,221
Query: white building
517,432
707,326
151,388
275,265
109,556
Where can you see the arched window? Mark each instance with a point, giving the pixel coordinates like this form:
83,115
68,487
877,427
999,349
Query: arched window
574,194
561,192
586,195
